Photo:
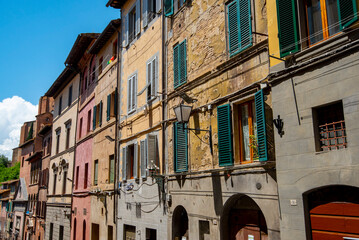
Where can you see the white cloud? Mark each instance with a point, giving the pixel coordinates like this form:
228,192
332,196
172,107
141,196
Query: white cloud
13,113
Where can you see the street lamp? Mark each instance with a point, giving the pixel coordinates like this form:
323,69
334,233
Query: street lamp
183,113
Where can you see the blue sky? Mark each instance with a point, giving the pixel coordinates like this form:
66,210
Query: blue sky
36,37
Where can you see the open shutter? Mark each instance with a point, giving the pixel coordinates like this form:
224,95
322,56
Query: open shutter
152,150
115,103
168,7
143,158
182,62
347,12
225,148
100,114
129,96
158,5
233,28
154,76
135,161
94,118
181,148
245,24
124,163
138,17
287,27
134,92
144,13
108,107
175,66
112,169
125,32
261,126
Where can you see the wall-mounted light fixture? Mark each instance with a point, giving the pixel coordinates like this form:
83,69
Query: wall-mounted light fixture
183,113
278,123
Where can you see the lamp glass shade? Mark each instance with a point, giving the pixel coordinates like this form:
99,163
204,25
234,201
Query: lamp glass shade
183,112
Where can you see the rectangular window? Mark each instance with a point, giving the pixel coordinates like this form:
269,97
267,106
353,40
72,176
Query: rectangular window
111,105
61,234
239,26
151,10
129,232
69,101
68,131
132,25
152,78
180,64
95,177
329,127
112,169
77,177
54,184
151,234
114,49
110,233
60,106
51,231
100,62
180,147
132,93
80,129
89,121
64,181
86,175
58,132
130,162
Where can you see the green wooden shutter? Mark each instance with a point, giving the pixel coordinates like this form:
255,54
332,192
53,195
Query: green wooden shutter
245,24
347,12
176,66
225,147
112,168
94,118
233,30
180,147
261,126
124,163
100,114
182,62
115,103
168,7
108,107
287,27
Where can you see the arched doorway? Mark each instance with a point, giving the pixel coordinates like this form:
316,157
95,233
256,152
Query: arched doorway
242,219
180,223
332,213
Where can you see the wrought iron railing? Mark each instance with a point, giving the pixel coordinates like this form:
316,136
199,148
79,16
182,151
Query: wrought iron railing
333,136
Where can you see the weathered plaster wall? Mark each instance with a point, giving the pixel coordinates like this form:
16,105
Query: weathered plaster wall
81,212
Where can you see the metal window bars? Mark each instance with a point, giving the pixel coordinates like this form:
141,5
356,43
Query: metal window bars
333,136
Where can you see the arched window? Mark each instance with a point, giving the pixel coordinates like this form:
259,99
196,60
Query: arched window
84,230
75,223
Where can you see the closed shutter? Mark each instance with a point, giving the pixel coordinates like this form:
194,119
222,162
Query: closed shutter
96,172
100,114
175,66
135,161
149,80
125,33
158,5
115,103
168,7
233,18
129,95
138,17
225,148
261,126
287,27
180,147
94,118
143,149
152,150
347,12
112,168
134,92
124,163
144,13
245,24
155,81
182,62
108,107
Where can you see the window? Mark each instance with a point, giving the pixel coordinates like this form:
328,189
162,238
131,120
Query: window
321,18
97,118
109,232
54,184
179,64
89,121
93,71
84,230
132,25
114,49
172,6
64,181
239,26
132,93
75,226
148,153
329,127
129,162
69,100
100,65
80,129
51,231
95,177
149,11
152,78
68,131
61,234
58,132
180,147
77,177
111,105
60,106
112,169
86,175
151,234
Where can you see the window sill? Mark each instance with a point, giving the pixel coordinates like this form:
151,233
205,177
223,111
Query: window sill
334,150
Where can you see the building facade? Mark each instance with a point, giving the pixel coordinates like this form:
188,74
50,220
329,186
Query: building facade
314,84
7,194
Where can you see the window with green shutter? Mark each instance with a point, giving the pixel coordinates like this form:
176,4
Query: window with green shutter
261,125
180,147
108,107
112,169
179,64
225,147
94,118
168,7
239,26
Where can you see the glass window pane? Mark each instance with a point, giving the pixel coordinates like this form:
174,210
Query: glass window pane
332,16
315,26
245,132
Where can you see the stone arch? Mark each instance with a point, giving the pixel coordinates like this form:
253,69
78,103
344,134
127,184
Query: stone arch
180,223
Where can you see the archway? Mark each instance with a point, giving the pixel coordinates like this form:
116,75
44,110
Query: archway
179,223
242,219
332,212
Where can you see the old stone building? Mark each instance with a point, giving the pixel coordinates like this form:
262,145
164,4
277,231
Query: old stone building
221,163
314,78
7,195
141,208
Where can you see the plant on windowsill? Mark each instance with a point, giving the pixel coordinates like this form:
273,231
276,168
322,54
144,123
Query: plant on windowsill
253,145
